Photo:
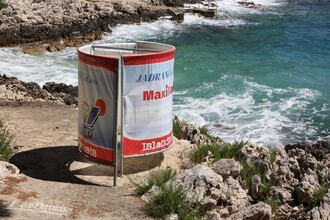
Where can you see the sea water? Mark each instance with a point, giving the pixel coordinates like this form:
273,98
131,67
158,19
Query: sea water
260,75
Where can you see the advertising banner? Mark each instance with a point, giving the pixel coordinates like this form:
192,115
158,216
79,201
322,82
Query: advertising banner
97,84
148,99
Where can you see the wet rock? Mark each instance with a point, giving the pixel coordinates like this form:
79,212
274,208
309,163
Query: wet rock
249,4
174,3
319,150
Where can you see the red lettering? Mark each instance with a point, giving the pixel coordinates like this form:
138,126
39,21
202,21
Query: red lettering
148,95
154,95
158,95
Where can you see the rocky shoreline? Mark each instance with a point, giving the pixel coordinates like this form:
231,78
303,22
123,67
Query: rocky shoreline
14,90
41,25
285,183
290,183
294,181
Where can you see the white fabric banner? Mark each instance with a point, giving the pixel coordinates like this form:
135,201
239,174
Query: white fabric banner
148,104
97,80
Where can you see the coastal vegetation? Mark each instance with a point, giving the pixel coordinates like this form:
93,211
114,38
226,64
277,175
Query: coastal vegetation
248,171
169,199
296,179
204,130
177,129
318,196
3,4
156,178
6,150
172,200
218,152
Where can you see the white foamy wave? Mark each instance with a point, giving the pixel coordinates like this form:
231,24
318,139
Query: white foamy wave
62,66
194,19
57,67
136,32
270,122
270,3
229,13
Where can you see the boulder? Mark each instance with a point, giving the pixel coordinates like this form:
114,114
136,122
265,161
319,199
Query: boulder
280,167
12,89
305,190
212,215
208,189
198,181
283,193
233,196
287,212
151,193
321,212
8,170
172,217
256,184
319,150
193,134
259,211
227,167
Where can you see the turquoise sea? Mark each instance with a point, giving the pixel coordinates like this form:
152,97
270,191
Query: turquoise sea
259,75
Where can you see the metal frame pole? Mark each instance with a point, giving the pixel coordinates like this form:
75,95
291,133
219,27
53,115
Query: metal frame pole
122,118
118,121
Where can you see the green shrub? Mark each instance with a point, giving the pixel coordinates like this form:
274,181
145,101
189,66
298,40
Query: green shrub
177,129
157,178
218,151
3,5
5,143
171,200
272,156
230,150
199,153
227,150
318,196
273,203
248,172
203,130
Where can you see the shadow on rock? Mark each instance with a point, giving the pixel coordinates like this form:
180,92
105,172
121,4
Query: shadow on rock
67,164
4,212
